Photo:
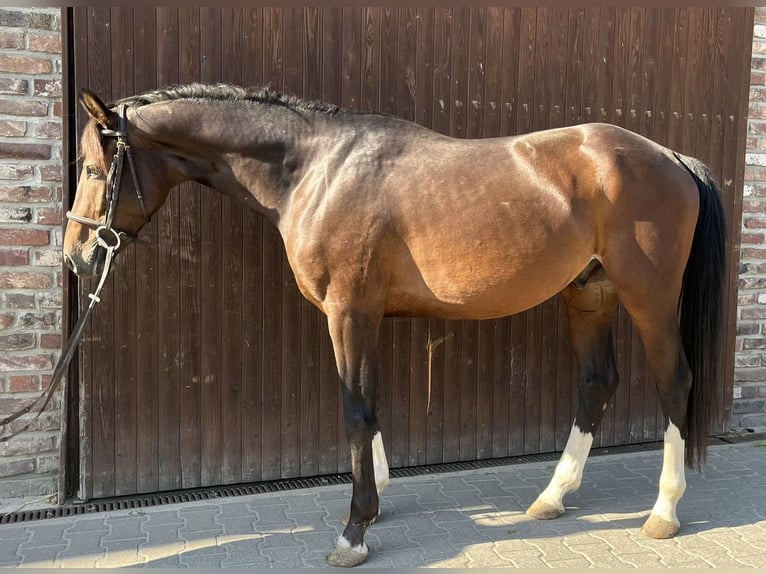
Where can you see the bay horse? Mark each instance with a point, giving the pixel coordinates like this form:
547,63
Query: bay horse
382,217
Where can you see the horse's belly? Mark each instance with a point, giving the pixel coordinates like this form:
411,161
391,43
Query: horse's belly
482,292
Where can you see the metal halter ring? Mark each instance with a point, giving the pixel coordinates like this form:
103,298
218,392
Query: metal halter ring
108,237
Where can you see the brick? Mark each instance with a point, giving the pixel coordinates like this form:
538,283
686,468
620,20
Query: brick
13,257
757,127
753,238
749,406
754,253
25,280
47,88
50,341
51,172
752,222
24,151
747,361
755,173
50,300
33,237
748,329
26,362
47,258
15,214
24,107
7,320
50,43
17,342
13,86
26,445
25,64
19,301
15,172
38,320
757,77
11,39
23,383
12,129
13,18
47,130
25,193
16,467
748,375
49,216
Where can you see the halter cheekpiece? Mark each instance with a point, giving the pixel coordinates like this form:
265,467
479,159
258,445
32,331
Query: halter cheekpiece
107,235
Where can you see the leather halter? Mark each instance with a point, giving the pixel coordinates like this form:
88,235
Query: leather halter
104,230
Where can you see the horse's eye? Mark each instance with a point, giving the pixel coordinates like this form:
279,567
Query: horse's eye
93,172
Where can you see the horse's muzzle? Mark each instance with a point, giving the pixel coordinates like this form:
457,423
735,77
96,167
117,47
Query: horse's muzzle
86,268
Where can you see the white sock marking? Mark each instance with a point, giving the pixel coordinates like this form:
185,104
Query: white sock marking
672,479
346,545
379,462
568,473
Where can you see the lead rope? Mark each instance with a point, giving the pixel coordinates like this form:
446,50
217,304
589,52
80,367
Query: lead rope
74,339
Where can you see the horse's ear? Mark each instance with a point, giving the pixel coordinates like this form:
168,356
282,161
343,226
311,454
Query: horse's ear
97,109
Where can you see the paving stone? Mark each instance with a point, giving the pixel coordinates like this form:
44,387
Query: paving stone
242,559
46,533
120,553
40,555
163,518
125,528
17,534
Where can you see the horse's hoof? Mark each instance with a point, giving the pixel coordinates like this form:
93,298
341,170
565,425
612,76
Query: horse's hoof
542,510
345,556
656,527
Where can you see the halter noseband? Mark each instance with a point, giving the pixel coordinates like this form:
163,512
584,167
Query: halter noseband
108,235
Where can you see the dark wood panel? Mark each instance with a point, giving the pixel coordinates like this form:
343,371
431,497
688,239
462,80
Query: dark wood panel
189,296
222,373
147,312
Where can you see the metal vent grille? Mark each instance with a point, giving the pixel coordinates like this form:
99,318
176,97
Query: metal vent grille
211,493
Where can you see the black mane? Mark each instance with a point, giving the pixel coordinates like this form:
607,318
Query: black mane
229,93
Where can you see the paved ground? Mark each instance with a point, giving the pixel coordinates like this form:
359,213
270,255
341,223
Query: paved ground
463,519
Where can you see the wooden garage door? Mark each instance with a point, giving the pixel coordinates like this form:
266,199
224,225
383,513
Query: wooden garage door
203,365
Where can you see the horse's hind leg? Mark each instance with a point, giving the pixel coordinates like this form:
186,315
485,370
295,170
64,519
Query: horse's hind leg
658,325
354,336
591,304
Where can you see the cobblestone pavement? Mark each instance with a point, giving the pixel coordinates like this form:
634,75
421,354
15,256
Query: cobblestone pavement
461,519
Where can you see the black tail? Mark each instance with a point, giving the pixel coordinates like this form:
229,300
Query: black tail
701,305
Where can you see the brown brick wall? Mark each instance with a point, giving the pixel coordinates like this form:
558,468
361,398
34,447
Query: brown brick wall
749,408
30,237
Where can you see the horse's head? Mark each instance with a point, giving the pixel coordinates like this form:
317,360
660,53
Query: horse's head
121,184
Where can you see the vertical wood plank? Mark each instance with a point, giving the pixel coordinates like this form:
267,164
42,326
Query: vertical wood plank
189,297
147,455
125,399
271,356
211,283
231,255
253,272
169,262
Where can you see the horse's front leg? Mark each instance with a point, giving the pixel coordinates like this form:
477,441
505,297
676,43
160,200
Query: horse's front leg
355,337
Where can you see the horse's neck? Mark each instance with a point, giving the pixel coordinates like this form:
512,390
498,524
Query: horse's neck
250,154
